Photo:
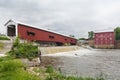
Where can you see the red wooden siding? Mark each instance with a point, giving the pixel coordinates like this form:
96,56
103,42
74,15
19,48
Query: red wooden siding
30,33
104,38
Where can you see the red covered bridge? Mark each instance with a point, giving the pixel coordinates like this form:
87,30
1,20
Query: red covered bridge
30,33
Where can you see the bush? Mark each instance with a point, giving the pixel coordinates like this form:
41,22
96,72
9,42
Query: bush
6,58
13,70
24,50
4,38
49,69
17,42
10,65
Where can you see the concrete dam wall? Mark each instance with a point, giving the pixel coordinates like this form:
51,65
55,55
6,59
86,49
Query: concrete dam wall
52,50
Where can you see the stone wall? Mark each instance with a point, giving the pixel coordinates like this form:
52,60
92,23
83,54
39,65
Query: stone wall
91,43
117,44
7,46
105,46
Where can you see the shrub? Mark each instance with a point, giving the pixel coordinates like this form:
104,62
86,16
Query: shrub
23,50
6,58
17,42
10,65
4,38
13,70
49,69
49,78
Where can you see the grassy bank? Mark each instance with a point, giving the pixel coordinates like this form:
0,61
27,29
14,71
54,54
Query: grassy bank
4,38
12,69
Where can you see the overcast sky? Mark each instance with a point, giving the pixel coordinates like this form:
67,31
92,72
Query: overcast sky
75,17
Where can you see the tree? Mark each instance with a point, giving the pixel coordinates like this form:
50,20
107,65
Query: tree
117,33
72,36
81,39
90,35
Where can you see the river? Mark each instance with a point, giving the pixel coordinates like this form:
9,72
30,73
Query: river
88,63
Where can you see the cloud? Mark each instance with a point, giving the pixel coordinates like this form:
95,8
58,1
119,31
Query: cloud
75,17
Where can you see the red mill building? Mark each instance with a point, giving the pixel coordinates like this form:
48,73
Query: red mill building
30,33
104,40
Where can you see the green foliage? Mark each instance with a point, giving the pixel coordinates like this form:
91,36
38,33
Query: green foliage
17,42
13,70
38,70
10,65
6,58
4,38
49,69
81,39
91,35
50,74
49,78
61,77
58,76
54,75
23,50
117,33
1,45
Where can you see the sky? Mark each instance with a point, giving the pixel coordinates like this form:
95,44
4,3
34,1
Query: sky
69,17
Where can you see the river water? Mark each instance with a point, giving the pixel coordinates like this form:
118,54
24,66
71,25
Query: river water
90,63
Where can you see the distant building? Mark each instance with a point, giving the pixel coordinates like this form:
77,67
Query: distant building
104,40
30,33
82,42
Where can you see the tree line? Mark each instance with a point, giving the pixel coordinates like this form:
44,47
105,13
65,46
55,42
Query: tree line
91,34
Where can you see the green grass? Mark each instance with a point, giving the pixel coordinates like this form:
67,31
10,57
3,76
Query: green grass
10,65
12,69
4,38
49,69
1,46
19,74
58,76
6,58
50,74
